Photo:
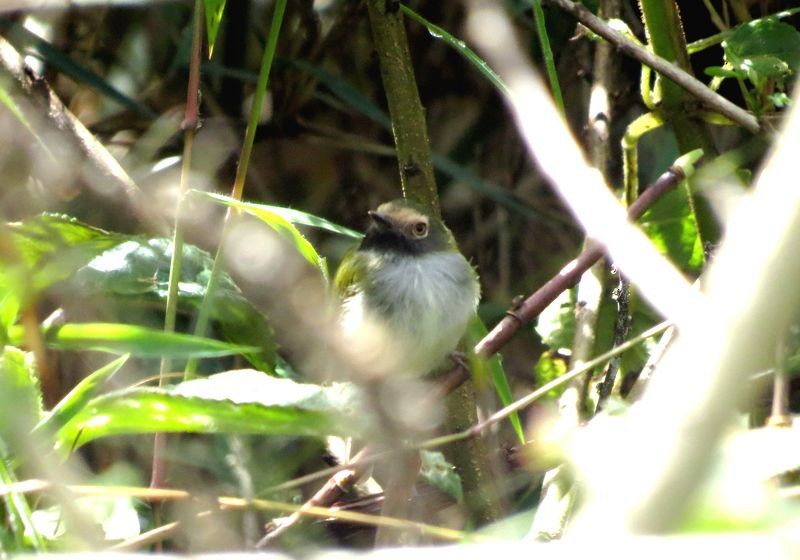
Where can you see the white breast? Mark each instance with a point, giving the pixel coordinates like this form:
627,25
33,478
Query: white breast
413,313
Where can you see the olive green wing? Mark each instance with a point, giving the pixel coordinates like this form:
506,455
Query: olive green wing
350,275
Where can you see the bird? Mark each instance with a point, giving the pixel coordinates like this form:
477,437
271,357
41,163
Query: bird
407,293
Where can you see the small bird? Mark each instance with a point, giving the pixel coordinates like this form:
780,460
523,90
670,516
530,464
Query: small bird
407,292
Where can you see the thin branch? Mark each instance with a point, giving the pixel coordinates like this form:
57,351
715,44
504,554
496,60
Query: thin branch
44,106
708,97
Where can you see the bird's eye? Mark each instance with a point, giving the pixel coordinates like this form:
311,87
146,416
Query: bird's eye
419,229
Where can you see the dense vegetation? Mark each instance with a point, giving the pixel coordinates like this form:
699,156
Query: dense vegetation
181,180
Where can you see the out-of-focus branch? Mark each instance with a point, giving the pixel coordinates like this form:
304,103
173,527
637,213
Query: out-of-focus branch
641,469
42,107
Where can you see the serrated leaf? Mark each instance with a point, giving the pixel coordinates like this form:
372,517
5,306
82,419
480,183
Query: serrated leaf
118,338
243,401
214,9
79,396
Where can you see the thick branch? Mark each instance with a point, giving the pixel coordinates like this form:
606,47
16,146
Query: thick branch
406,111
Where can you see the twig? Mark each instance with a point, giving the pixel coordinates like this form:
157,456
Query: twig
691,84
568,275
529,399
43,105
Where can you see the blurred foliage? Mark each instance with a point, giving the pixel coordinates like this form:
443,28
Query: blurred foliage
84,265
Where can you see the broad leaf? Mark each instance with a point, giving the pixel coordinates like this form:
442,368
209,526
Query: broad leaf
118,338
764,49
51,247
81,394
279,224
243,401
135,275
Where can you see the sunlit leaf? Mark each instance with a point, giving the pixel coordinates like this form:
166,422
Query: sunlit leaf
279,224
670,224
20,395
214,9
135,274
763,49
461,48
79,396
296,217
117,338
244,401
52,247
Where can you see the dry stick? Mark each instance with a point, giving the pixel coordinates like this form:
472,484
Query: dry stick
345,476
101,167
691,84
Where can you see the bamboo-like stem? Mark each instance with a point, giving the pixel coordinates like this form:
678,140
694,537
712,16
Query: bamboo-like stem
189,126
204,314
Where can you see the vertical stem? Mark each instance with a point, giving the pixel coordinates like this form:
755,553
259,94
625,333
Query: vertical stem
405,108
547,54
665,34
204,314
416,175
189,126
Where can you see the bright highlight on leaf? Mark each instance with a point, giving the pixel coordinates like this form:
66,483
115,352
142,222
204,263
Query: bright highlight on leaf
282,221
214,9
117,338
241,401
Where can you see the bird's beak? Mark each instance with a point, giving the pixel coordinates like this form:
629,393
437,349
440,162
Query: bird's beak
383,221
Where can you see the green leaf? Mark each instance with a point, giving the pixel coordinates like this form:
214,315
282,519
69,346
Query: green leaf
461,48
80,395
548,368
20,396
437,472
214,9
670,224
243,401
117,338
279,224
296,217
492,366
134,276
51,247
763,49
